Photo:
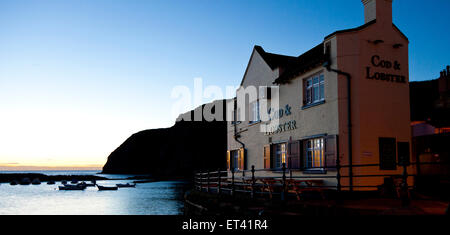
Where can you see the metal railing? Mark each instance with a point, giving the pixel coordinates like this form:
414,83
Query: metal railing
247,182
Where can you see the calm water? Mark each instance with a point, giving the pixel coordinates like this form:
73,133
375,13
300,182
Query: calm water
157,198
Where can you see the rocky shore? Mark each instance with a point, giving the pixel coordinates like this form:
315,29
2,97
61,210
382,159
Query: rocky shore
175,152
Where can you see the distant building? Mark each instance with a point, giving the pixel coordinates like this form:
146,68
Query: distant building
430,124
346,99
430,105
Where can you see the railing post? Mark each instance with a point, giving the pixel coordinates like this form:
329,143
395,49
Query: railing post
418,164
232,181
195,180
219,177
200,175
405,196
207,182
338,174
283,192
253,181
290,169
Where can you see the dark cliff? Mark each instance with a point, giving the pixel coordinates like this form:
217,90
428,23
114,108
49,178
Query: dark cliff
174,152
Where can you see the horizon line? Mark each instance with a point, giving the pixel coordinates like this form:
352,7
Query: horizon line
43,167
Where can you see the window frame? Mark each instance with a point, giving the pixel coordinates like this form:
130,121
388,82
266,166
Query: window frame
283,154
255,105
234,160
309,163
311,88
235,115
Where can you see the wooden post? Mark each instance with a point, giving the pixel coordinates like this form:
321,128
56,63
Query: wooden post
219,181
283,192
253,181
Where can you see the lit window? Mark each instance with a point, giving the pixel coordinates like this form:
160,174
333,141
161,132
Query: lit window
314,89
314,157
280,155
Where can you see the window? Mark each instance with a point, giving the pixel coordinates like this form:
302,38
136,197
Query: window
388,153
314,154
235,159
280,154
255,112
314,89
235,115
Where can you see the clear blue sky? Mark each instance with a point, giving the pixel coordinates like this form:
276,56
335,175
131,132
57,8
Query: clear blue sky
78,77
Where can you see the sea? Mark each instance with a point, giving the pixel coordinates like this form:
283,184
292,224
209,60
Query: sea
153,198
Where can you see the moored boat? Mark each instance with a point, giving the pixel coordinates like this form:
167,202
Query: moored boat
107,187
25,181
72,187
36,181
127,185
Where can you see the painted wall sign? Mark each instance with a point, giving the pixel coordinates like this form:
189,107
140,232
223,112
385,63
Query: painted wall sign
377,62
287,126
277,114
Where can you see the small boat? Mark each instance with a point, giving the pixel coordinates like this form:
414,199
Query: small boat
14,182
127,185
72,187
36,182
25,181
87,185
106,187
50,182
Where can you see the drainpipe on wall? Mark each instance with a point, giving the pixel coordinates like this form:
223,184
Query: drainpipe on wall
327,64
236,136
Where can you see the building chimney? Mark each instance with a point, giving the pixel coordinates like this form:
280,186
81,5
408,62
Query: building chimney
381,10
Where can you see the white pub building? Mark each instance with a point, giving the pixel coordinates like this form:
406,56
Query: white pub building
346,99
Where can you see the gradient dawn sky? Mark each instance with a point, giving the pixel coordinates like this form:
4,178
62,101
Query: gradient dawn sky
79,77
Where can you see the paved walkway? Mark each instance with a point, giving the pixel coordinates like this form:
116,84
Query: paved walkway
383,206
393,206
